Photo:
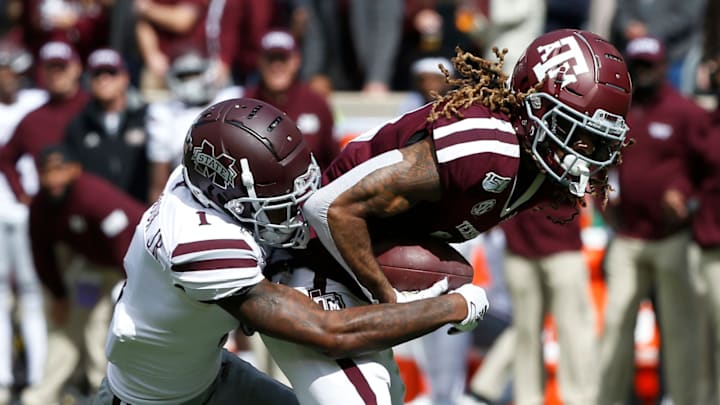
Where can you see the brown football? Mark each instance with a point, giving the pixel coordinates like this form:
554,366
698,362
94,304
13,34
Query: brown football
415,265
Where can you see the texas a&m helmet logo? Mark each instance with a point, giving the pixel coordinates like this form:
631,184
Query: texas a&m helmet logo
216,168
563,55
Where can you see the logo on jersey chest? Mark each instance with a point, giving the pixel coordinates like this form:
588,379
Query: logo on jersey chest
562,55
483,207
217,169
329,301
494,183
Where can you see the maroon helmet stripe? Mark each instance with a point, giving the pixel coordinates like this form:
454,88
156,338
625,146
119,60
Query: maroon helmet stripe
215,264
357,379
194,247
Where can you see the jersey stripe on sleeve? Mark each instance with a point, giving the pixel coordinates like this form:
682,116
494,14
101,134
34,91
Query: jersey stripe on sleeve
214,264
215,268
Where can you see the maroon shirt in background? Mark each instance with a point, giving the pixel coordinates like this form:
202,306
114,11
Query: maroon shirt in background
171,43
40,128
311,113
666,131
706,223
77,222
533,235
89,32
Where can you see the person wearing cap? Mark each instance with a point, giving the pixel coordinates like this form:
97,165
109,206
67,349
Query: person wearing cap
279,85
95,234
427,78
60,69
109,135
650,214
16,265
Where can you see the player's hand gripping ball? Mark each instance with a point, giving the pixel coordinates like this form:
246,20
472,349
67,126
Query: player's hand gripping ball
418,264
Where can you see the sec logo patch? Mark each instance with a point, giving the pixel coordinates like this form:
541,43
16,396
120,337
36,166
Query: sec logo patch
483,207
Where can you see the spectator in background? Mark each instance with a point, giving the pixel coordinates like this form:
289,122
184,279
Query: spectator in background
61,69
428,79
650,217
328,62
545,271
109,135
96,233
17,271
279,64
375,31
423,35
192,87
376,27
675,23
81,23
164,27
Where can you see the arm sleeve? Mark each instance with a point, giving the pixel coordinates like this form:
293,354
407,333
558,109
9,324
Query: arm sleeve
213,269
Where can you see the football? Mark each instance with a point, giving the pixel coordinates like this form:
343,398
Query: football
417,264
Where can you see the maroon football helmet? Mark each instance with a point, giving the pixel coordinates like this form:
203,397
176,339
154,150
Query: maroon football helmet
247,158
574,124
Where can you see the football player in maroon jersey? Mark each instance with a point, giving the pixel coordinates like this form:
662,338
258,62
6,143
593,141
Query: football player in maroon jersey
480,153
452,169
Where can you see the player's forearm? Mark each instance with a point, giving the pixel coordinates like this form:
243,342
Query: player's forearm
370,328
284,313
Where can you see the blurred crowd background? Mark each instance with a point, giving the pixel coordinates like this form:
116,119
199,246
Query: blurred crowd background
577,314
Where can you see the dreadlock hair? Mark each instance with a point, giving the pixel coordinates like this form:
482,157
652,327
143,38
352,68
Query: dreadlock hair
484,82
480,81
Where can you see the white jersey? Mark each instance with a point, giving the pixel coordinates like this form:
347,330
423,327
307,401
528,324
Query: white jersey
12,114
169,122
164,344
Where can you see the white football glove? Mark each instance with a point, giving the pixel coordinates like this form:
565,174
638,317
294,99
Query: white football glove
477,304
435,290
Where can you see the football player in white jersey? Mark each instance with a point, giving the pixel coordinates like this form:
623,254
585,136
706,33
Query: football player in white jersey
195,271
15,255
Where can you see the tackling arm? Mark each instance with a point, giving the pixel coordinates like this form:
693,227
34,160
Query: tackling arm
284,313
382,187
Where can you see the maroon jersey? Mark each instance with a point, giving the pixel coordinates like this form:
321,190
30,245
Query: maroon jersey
40,128
311,113
664,131
536,234
96,220
706,224
478,159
